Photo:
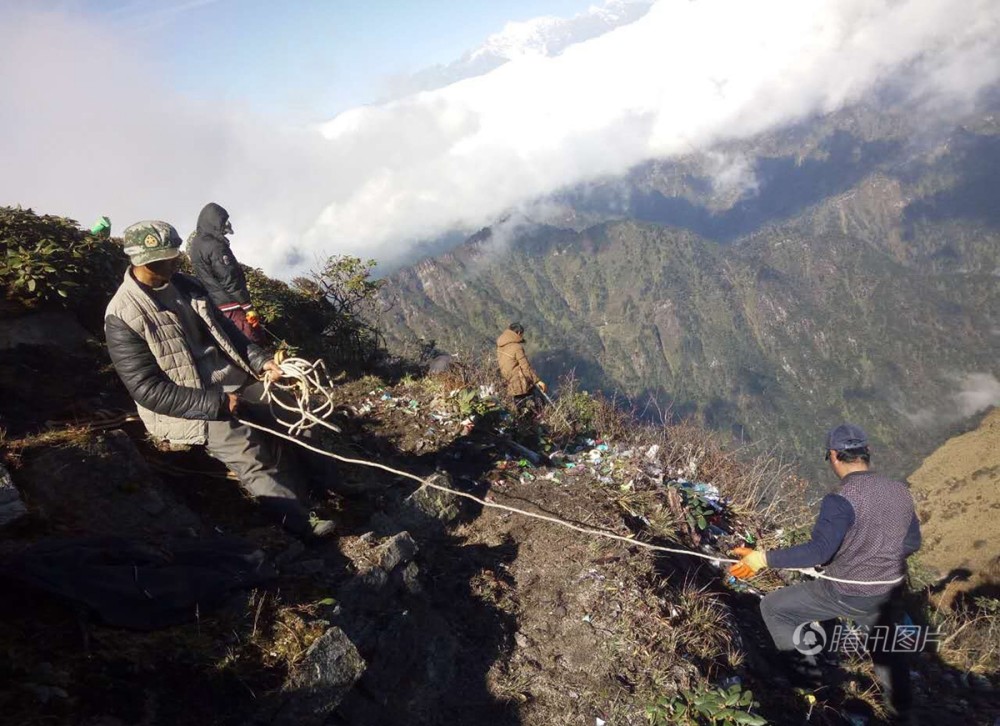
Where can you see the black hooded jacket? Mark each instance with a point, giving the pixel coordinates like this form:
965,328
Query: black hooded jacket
214,262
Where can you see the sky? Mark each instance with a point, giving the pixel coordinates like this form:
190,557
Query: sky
361,127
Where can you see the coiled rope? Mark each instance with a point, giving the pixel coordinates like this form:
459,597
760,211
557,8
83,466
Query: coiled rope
309,382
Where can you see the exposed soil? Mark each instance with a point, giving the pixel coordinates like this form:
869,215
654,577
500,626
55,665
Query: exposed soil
496,619
956,492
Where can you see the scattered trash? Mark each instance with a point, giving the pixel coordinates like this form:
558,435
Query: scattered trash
811,700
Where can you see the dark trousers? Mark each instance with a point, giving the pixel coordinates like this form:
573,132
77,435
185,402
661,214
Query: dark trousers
268,469
239,318
531,402
793,608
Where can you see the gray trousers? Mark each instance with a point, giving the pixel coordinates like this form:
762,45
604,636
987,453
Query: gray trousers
786,609
265,469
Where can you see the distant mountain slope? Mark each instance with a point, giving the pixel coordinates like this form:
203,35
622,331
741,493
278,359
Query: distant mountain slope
957,489
869,294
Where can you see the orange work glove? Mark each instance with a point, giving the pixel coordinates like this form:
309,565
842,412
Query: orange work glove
252,318
751,562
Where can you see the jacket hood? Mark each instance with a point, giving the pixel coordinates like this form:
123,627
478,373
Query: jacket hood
509,336
212,219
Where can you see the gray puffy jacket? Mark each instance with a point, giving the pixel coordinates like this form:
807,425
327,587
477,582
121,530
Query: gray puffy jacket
151,355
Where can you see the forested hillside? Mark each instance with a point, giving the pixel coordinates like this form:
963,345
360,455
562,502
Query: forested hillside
858,281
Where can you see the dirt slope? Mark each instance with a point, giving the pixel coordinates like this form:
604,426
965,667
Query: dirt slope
957,490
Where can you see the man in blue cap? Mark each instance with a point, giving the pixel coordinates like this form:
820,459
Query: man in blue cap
863,534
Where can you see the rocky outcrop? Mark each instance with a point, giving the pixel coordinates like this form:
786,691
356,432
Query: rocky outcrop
50,329
330,668
102,485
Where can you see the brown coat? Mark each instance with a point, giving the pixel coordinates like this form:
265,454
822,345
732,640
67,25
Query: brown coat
514,365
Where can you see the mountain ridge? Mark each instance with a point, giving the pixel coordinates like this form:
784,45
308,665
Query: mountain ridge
877,302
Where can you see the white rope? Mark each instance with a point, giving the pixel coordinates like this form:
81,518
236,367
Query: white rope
494,505
309,380
312,377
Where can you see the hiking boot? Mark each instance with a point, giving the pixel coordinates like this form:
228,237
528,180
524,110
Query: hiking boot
320,527
802,670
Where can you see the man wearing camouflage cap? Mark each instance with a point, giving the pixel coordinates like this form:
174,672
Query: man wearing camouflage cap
189,368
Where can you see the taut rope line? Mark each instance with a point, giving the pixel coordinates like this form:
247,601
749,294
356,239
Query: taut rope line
306,374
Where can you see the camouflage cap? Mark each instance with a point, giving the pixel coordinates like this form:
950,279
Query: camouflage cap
151,241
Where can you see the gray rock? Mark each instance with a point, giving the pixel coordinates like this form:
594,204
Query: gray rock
101,485
411,579
330,668
434,503
306,567
11,506
51,330
441,363
397,550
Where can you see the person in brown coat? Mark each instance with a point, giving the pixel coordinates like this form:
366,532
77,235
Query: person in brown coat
522,381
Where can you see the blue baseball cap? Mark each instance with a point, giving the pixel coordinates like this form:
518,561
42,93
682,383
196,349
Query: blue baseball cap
846,437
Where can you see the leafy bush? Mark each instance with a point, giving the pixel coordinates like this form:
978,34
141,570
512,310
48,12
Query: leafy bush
51,260
323,315
578,412
708,705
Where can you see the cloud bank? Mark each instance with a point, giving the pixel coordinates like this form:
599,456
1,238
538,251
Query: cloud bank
86,130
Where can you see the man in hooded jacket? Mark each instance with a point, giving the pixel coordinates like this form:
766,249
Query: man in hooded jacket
216,267
522,381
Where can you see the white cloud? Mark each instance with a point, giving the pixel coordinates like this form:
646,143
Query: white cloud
972,394
687,75
86,130
732,175
979,392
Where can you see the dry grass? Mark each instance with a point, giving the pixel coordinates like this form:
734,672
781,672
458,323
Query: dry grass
12,450
970,636
706,626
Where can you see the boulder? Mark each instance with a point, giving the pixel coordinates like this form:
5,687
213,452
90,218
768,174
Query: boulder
399,549
330,668
101,485
430,503
49,330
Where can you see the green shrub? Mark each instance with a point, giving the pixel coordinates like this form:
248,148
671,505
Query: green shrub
48,260
323,315
707,705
